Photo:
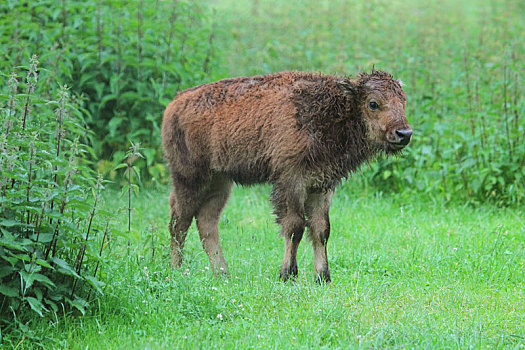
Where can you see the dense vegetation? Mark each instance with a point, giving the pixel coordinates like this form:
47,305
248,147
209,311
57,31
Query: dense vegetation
417,269
125,61
48,202
121,64
462,73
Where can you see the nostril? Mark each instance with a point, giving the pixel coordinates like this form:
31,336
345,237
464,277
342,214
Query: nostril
404,133
404,136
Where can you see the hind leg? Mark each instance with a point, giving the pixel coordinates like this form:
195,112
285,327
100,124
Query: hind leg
183,205
208,220
288,201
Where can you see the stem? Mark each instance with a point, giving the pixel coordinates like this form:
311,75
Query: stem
478,110
91,216
205,66
26,108
39,225
152,241
100,255
101,247
505,112
139,37
53,243
119,61
173,18
99,33
80,257
59,136
469,100
129,204
516,115
64,14
29,186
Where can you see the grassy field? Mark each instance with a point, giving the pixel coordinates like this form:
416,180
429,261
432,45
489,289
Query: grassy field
406,272
426,250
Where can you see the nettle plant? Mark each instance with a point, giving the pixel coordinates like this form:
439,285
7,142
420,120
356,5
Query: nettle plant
128,59
51,230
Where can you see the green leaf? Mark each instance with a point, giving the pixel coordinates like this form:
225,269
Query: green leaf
51,304
96,284
11,223
79,304
43,237
36,305
44,263
10,241
106,99
43,279
9,291
38,293
63,267
6,270
120,166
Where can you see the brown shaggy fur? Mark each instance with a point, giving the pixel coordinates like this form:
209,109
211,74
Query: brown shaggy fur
301,132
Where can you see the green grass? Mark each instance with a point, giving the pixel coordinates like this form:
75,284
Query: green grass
406,272
427,264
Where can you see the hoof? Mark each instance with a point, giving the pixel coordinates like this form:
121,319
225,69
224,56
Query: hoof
221,272
287,274
323,277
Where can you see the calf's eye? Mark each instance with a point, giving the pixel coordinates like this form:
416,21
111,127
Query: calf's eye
373,105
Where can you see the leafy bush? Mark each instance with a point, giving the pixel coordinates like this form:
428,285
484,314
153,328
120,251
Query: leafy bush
49,221
126,59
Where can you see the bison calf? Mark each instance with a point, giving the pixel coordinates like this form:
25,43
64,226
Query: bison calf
301,132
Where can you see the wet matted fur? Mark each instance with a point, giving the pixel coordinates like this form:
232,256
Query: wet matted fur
301,132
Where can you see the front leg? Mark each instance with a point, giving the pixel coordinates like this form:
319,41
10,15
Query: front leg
288,201
317,207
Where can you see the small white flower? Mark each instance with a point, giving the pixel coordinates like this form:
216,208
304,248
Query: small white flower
206,267
219,316
214,288
187,272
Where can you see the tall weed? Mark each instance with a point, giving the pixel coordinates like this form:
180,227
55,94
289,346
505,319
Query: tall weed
49,219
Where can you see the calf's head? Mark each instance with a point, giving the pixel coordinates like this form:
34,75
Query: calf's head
381,102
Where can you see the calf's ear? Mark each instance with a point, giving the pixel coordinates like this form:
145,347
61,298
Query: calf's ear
347,86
